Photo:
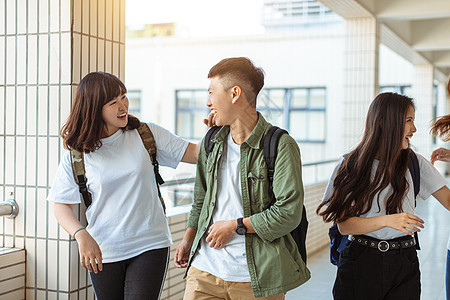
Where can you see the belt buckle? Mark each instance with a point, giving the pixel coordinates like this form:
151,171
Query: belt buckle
380,243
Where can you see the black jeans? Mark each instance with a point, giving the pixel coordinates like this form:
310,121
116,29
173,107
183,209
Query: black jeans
139,277
367,274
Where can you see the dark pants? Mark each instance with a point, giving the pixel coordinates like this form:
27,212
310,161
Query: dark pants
140,277
367,274
447,276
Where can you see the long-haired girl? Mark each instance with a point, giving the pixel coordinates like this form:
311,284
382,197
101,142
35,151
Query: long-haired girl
125,246
442,128
370,196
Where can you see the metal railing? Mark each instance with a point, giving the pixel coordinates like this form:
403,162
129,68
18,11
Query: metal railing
313,172
9,207
315,165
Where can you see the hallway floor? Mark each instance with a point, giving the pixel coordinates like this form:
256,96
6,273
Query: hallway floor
433,240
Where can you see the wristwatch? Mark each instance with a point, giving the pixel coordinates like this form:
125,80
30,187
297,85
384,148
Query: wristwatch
240,229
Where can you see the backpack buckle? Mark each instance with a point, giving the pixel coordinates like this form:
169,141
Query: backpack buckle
83,187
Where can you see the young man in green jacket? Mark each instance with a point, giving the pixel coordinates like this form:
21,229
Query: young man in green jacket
233,247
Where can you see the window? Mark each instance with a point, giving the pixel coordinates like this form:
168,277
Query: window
190,111
301,111
134,98
399,89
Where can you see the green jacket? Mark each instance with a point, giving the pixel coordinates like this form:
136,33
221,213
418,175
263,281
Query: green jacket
274,264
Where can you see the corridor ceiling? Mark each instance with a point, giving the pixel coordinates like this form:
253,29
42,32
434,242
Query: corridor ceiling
418,30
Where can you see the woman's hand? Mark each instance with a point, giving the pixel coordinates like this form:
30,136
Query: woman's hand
210,122
181,258
440,154
90,253
403,222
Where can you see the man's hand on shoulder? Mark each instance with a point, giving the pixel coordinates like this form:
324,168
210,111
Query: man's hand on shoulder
220,233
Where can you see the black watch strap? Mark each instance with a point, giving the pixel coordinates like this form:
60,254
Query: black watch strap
240,228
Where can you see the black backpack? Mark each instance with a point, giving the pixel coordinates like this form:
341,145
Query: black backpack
270,150
338,240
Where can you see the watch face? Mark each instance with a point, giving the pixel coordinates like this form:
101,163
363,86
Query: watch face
241,231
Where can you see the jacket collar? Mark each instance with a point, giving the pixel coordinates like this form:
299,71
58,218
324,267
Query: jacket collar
254,140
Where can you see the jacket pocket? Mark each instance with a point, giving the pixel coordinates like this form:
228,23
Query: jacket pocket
258,189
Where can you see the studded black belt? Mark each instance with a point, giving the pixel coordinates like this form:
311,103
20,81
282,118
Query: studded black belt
382,245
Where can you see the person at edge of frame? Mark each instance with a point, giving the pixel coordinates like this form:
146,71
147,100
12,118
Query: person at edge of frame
371,198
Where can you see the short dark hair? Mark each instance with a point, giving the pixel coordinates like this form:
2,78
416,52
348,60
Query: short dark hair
242,72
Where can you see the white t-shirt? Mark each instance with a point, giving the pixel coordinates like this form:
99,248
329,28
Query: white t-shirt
230,262
430,181
126,217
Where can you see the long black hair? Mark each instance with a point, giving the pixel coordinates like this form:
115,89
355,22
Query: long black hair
354,187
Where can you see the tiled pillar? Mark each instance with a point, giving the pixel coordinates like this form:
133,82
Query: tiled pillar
441,110
46,47
424,96
361,76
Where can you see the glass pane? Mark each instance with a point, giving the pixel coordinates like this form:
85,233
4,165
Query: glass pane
183,124
407,90
316,126
299,98
275,117
200,98
183,197
134,99
183,98
276,98
317,99
297,125
199,127
262,101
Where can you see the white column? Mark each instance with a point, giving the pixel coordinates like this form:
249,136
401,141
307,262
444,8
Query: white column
424,96
361,76
46,47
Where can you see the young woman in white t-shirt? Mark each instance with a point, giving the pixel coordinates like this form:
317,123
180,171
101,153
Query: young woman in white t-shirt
442,128
125,246
371,198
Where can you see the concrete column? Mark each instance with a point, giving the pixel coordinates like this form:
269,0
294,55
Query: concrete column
361,76
46,47
441,110
424,96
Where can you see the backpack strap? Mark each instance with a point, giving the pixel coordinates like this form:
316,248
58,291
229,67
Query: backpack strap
210,135
79,174
270,150
413,166
149,143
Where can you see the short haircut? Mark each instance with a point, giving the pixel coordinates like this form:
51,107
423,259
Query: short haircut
240,71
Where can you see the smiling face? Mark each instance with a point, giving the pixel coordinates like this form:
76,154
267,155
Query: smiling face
410,128
115,115
220,102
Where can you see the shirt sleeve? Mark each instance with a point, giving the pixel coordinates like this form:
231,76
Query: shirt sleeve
170,148
64,188
430,178
329,189
283,216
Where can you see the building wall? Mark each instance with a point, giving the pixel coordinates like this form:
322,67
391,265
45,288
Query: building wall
46,47
289,60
